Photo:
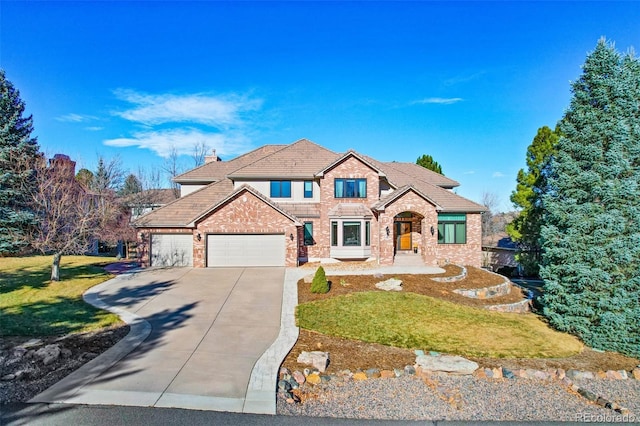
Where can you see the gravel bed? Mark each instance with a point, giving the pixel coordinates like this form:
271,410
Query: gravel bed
624,392
409,398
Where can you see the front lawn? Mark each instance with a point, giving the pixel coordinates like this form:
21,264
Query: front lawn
32,305
413,321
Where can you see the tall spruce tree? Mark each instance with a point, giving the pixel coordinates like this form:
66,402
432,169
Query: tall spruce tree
428,162
18,153
591,235
527,197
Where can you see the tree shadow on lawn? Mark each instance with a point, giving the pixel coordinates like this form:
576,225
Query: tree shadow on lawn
63,314
28,277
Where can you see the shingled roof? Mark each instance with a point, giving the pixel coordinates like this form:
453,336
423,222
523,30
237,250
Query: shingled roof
300,160
218,170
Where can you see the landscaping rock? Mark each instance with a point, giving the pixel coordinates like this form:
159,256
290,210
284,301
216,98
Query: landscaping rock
579,375
308,279
314,379
391,284
299,377
387,374
408,369
360,375
497,373
373,373
49,354
447,364
317,359
636,373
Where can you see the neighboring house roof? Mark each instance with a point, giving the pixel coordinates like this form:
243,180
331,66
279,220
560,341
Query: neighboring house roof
156,197
300,160
218,170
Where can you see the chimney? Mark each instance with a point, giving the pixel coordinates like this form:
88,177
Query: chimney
211,158
63,164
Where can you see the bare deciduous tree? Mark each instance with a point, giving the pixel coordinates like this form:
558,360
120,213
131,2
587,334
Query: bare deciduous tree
200,150
490,200
173,168
69,218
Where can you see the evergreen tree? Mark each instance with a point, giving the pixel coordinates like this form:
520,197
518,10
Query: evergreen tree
428,162
18,153
132,185
527,197
320,283
591,235
85,177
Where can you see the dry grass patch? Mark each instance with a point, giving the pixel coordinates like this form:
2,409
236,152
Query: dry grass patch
414,321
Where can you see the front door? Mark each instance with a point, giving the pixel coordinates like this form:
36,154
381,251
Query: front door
403,235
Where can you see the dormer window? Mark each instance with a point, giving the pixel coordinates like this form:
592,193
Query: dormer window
350,188
280,189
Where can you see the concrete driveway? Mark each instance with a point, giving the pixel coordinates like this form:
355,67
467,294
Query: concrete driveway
197,335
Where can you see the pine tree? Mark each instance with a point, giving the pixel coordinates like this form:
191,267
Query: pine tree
18,153
428,162
591,235
132,185
527,197
320,283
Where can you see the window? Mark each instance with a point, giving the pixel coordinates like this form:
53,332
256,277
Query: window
452,228
350,188
334,233
280,189
308,234
308,189
367,233
351,233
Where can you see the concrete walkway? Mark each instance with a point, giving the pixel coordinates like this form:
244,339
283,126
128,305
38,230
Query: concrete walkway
198,338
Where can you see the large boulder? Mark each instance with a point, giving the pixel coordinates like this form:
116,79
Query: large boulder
452,364
318,359
391,284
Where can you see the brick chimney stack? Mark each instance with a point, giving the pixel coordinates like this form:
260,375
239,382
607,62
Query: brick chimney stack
211,158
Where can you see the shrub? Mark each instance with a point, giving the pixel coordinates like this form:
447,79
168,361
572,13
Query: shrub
320,283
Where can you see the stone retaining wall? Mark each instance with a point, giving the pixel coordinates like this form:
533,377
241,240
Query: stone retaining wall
521,307
486,292
459,277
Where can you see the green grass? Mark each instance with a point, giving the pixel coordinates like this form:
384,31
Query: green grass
32,305
413,321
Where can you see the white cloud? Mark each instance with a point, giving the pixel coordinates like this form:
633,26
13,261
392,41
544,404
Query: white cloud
441,101
219,111
94,128
497,175
469,172
163,142
75,118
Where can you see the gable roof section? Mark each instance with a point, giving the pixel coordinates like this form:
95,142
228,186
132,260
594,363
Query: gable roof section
351,153
241,189
181,212
218,170
300,160
419,172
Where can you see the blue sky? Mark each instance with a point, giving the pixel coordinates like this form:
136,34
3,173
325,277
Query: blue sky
466,82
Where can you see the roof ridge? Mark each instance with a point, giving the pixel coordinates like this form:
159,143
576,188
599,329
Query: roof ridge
391,164
232,160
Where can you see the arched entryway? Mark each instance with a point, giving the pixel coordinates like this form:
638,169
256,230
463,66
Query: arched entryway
407,232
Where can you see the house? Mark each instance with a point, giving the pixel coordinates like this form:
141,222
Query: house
282,205
148,200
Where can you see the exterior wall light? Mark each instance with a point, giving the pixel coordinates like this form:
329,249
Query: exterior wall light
199,237
387,229
433,231
291,236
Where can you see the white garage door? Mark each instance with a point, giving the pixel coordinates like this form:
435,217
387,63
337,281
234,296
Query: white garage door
171,250
245,250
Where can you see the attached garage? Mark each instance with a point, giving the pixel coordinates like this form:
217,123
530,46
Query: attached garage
171,250
245,250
